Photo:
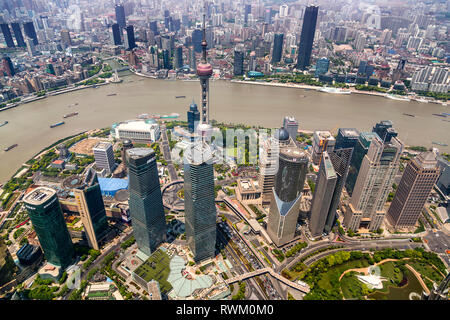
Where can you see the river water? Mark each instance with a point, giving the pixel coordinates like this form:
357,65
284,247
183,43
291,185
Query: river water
229,102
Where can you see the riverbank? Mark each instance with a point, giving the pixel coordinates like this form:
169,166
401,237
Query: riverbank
350,90
52,93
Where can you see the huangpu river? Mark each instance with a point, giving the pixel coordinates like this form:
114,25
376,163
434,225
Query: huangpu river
229,102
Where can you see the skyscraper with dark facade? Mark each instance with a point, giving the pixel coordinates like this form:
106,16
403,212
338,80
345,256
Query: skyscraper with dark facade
238,67
331,178
247,11
277,47
178,57
116,34
8,66
385,130
146,207
154,27
417,181
7,35
286,193
30,32
130,42
120,15
307,37
47,218
346,138
91,208
323,194
18,34
166,59
360,150
193,117
197,40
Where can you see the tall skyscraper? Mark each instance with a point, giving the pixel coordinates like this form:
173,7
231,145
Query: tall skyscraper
291,126
192,59
307,37
322,141
200,209
30,32
146,207
277,50
247,11
65,39
287,190
323,194
154,27
193,117
331,178
8,66
18,34
130,42
47,218
7,35
374,182
360,150
116,34
197,40
346,138
385,130
90,204
178,57
417,181
238,62
268,167
120,15
166,59
104,156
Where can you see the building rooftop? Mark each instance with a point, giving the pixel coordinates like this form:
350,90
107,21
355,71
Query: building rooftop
102,145
324,135
137,153
427,160
39,195
137,125
349,132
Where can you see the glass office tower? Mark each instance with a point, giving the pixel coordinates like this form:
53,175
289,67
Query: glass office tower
92,209
146,206
48,221
199,195
307,37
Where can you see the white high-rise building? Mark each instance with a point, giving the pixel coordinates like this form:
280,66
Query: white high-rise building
291,125
104,156
284,9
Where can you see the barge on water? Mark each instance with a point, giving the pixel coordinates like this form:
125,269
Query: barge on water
11,147
4,123
57,124
70,115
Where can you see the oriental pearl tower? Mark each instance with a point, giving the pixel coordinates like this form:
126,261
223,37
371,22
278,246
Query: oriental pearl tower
204,72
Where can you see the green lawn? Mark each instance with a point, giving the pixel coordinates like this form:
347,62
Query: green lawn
156,268
426,271
352,288
390,270
336,271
